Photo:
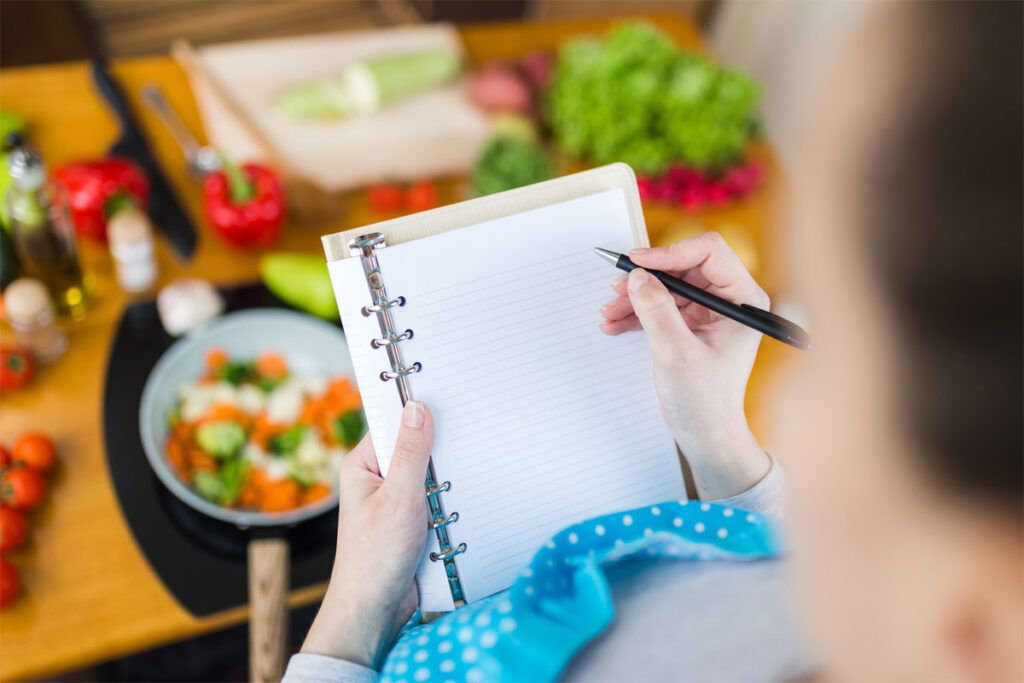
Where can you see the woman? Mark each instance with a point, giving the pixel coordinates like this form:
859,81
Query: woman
904,453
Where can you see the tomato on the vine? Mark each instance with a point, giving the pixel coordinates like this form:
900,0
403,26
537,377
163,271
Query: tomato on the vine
22,488
13,529
36,451
10,583
5,456
16,368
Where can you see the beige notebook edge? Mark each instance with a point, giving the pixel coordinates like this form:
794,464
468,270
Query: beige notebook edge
617,176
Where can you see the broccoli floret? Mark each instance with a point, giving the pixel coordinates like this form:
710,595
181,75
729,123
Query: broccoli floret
287,441
349,428
221,439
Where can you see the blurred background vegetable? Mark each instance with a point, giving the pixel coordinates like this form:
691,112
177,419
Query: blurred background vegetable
633,96
509,162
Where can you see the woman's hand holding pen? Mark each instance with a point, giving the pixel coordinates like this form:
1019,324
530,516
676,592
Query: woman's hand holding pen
702,360
382,529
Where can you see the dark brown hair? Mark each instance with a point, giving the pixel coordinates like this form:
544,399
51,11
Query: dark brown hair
946,187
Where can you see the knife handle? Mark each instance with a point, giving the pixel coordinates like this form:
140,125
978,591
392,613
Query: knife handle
114,96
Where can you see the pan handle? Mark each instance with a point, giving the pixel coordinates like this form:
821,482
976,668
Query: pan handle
268,611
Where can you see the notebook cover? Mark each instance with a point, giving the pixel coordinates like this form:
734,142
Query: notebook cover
474,211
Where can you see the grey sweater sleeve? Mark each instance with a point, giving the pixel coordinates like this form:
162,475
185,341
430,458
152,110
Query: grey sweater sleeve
305,668
764,497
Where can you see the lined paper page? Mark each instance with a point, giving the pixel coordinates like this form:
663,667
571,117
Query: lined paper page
541,419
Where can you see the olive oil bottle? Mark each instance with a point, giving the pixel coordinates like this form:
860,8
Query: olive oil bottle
43,231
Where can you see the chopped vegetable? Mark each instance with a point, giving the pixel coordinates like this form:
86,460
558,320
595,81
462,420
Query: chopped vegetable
221,439
366,86
510,162
349,428
286,442
634,97
250,434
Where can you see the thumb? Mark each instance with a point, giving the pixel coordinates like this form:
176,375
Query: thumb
408,468
657,312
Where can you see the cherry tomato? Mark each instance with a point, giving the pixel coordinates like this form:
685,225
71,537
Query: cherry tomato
385,196
5,456
10,583
23,488
16,368
13,529
35,451
421,196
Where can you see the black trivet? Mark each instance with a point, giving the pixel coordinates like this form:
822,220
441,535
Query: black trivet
200,560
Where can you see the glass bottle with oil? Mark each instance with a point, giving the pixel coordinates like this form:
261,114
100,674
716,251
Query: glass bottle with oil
43,231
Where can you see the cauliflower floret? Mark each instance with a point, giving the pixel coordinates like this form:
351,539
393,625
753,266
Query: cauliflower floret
313,386
225,393
277,468
284,404
311,451
254,454
251,399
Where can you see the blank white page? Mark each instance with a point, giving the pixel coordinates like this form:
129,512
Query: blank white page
541,419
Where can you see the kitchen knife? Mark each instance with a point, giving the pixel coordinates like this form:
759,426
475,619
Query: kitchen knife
164,207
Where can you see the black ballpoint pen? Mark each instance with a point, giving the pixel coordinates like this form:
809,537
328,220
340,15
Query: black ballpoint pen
753,317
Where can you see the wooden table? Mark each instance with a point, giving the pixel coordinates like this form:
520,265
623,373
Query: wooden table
88,593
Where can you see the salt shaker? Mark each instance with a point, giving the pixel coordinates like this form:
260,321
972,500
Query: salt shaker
131,244
29,310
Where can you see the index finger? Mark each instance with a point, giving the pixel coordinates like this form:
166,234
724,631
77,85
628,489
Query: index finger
711,256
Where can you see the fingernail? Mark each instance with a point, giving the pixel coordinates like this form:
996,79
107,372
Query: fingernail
607,306
412,414
619,280
638,278
639,251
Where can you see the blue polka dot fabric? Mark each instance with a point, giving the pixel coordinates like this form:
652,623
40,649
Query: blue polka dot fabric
562,599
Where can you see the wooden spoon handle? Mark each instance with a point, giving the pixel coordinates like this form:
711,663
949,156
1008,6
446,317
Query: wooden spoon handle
268,611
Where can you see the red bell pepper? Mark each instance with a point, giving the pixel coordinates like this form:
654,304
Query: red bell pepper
244,204
98,189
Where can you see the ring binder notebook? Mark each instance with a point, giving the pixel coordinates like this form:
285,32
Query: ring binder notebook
489,310
365,247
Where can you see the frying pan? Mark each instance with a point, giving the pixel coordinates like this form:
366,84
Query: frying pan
310,347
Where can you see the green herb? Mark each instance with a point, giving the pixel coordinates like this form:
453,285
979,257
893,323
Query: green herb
221,439
236,372
349,428
287,441
509,162
634,97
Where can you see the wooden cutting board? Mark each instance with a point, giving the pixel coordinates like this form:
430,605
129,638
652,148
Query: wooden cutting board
438,132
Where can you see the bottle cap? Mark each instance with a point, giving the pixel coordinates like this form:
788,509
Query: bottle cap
25,164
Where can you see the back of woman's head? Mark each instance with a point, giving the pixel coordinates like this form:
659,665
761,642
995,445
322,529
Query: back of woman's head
944,186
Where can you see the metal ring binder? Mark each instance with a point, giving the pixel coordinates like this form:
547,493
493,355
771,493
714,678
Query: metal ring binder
378,343
365,246
399,372
367,311
437,521
440,488
447,555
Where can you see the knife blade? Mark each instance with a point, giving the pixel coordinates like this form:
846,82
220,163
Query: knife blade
164,207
